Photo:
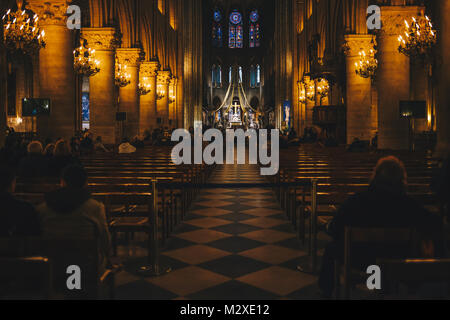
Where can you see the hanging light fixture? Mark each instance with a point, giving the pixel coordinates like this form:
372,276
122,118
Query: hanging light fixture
160,92
310,90
84,61
419,37
122,78
367,65
323,88
144,87
302,94
172,96
21,32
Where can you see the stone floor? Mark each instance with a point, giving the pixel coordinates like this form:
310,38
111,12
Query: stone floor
233,244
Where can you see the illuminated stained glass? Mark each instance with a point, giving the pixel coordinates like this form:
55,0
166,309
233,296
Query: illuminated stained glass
236,31
217,34
254,30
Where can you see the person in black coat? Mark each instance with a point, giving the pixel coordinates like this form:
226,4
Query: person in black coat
384,205
18,218
61,159
34,164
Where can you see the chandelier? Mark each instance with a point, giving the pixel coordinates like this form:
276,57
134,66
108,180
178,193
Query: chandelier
172,96
367,64
144,87
122,78
21,32
419,38
310,90
323,88
160,92
302,94
84,61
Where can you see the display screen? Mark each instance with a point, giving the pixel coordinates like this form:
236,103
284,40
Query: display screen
34,107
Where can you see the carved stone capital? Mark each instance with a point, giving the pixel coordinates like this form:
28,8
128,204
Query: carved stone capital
101,39
149,69
164,77
355,43
131,57
393,18
50,12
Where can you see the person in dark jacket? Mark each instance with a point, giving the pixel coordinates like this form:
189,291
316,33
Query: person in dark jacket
61,159
17,218
35,164
70,212
384,205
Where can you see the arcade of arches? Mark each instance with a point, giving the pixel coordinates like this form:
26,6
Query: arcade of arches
193,51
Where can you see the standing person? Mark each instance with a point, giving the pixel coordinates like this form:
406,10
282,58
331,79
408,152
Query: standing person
18,218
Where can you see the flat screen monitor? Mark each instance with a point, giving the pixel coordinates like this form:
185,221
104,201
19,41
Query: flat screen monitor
35,107
413,109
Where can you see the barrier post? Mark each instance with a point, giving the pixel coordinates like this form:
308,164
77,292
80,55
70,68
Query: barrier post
153,269
312,243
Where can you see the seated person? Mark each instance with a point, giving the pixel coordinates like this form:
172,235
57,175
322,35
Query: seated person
70,212
384,205
18,218
34,164
61,158
125,147
87,144
99,146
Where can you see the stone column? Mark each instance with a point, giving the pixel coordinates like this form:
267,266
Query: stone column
162,105
102,95
443,103
173,104
129,96
359,89
393,78
56,74
148,102
3,95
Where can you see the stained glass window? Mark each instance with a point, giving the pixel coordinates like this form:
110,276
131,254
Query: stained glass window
252,76
258,75
236,31
217,33
254,30
216,76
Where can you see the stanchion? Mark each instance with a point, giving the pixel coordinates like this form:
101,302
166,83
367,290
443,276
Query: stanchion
311,266
153,269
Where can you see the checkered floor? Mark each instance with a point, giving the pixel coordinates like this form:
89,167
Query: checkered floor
234,244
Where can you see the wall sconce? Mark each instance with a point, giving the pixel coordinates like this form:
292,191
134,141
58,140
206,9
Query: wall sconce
310,90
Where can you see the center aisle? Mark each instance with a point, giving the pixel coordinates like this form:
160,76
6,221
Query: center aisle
233,245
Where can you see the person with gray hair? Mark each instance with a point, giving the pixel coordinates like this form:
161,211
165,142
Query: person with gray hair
35,163
384,205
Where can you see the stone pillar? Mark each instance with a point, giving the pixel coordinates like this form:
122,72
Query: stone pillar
56,74
3,95
162,105
393,78
148,102
102,95
129,95
173,104
443,102
359,90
